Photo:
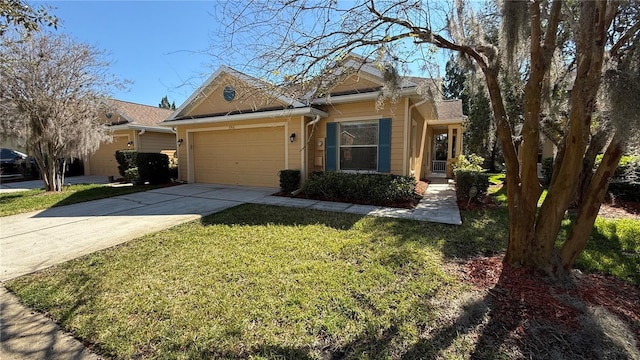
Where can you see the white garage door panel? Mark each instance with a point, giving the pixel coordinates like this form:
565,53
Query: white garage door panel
250,157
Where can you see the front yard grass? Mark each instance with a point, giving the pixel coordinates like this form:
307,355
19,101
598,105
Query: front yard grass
262,281
38,199
270,282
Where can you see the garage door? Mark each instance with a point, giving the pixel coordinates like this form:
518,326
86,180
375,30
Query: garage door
250,157
103,161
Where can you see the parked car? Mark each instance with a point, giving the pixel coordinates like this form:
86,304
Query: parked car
11,161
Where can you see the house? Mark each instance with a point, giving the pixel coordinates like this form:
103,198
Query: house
132,126
238,130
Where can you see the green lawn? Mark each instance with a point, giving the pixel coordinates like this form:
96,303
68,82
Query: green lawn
270,282
38,199
500,193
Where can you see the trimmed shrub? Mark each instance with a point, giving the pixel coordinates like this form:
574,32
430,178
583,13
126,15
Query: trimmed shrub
547,170
625,183
173,172
473,163
289,180
377,189
131,175
153,167
468,179
126,160
75,167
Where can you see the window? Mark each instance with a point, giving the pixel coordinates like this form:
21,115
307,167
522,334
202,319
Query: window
359,146
363,145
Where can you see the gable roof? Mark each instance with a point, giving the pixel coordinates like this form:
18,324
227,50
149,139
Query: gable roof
449,110
409,86
139,114
203,91
369,70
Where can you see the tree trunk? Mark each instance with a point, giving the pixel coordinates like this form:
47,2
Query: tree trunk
591,203
598,141
51,173
521,213
565,181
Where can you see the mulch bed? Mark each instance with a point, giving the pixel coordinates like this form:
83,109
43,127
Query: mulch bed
488,202
421,188
518,296
617,209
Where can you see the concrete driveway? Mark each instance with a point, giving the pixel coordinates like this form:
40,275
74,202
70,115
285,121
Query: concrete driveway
33,241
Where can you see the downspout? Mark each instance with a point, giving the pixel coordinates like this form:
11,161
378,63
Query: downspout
406,132
136,138
304,149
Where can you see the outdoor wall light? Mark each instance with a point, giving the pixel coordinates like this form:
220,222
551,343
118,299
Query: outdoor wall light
180,141
292,138
130,143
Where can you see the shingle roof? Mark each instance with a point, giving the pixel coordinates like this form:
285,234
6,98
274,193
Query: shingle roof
449,110
139,114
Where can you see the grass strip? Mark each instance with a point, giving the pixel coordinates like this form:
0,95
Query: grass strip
12,203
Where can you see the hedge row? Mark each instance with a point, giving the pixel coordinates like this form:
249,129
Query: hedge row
470,184
377,189
126,160
142,167
289,180
153,167
625,183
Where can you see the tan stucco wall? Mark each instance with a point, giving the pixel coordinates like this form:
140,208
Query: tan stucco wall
246,98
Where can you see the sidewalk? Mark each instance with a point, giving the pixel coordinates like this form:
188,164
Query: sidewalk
26,334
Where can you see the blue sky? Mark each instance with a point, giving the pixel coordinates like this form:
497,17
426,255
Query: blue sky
157,45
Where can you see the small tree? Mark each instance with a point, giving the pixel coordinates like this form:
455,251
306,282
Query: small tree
164,104
52,91
455,84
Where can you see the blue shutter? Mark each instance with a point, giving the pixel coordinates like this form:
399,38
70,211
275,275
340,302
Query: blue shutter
331,150
384,145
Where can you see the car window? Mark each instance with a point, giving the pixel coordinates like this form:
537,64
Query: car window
7,153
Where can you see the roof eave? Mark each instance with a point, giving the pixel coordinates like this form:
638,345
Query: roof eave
160,129
307,111
341,99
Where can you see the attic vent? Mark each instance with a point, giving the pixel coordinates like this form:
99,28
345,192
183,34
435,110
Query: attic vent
229,93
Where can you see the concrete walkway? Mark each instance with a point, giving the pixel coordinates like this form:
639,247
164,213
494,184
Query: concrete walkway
34,241
438,205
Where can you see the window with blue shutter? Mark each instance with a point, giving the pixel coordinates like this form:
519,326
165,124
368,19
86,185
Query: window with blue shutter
384,145
359,146
331,154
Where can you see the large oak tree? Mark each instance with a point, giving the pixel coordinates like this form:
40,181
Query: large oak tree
593,44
